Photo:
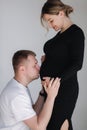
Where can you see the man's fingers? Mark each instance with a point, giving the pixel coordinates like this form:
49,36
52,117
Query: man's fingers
45,86
55,82
46,78
51,82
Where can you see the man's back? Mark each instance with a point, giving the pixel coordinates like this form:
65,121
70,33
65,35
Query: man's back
12,100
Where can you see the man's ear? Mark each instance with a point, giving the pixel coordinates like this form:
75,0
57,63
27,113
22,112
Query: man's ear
22,68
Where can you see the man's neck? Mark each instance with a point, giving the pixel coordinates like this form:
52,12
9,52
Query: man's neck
21,80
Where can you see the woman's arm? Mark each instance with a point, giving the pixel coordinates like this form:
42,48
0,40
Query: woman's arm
76,49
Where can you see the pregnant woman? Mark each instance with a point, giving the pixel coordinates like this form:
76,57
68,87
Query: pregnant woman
63,58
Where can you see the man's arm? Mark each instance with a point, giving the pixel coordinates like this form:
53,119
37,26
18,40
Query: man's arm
40,121
39,103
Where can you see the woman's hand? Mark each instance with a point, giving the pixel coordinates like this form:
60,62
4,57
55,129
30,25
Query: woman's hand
42,58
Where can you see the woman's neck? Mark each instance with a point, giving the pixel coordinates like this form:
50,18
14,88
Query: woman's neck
67,24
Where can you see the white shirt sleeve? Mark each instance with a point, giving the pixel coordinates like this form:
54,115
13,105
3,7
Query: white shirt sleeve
22,108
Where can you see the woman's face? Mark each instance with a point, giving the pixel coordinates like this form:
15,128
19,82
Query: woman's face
55,21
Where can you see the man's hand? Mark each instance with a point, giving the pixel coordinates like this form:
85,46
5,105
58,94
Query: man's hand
52,87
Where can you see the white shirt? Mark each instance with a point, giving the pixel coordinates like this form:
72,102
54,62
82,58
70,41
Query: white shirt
15,106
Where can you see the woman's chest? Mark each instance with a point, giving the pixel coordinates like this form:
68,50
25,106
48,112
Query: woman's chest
57,47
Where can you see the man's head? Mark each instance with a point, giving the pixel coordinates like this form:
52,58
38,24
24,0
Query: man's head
25,64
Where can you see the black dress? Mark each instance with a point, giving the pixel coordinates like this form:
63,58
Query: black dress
64,58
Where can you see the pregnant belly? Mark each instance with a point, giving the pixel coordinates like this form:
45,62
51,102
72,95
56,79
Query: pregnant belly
49,70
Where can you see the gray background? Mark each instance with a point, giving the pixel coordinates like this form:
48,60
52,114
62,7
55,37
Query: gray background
20,28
